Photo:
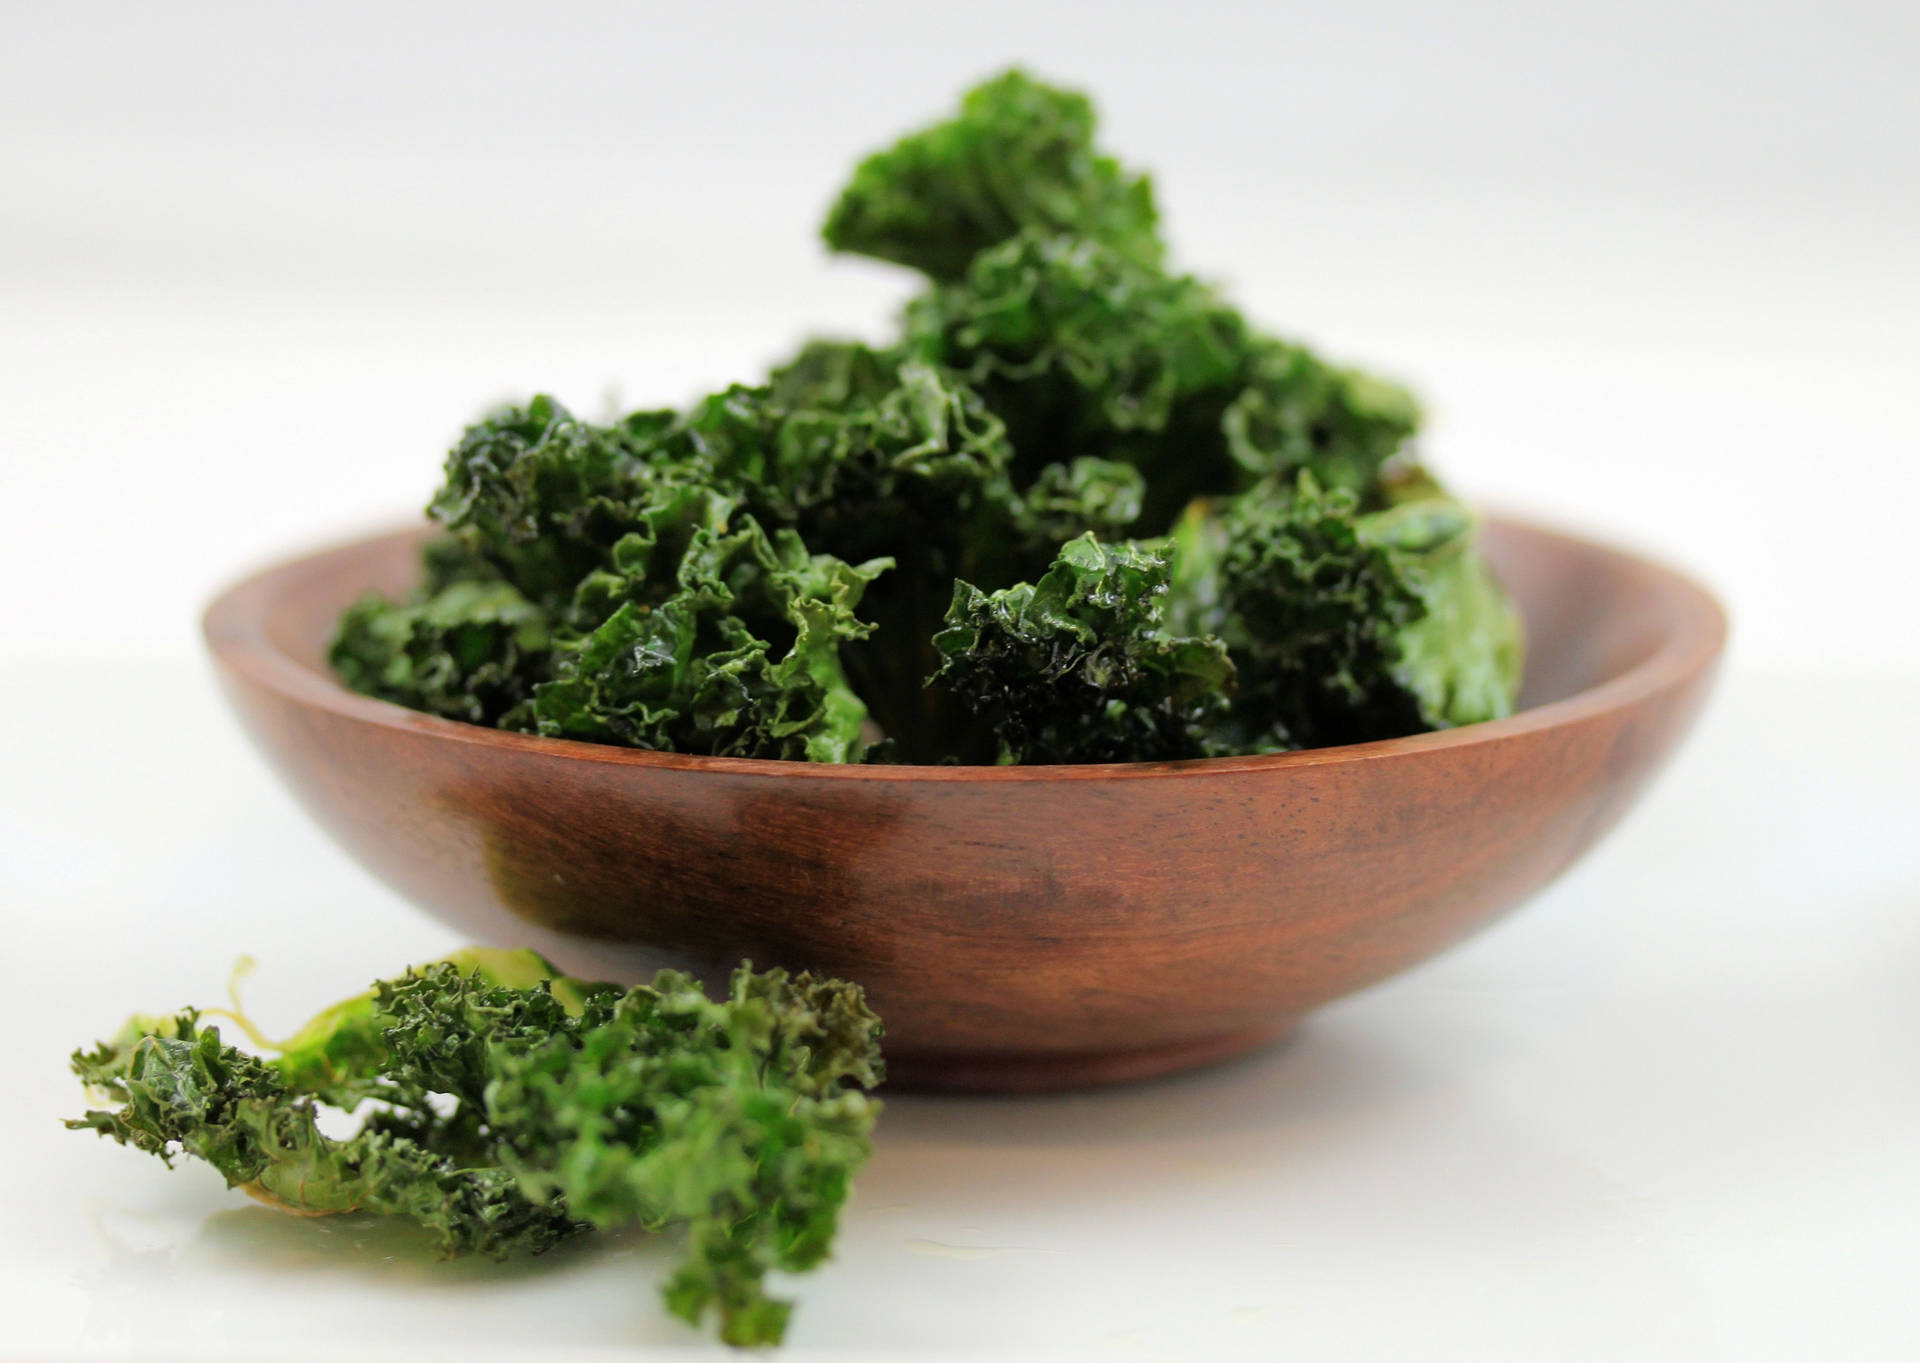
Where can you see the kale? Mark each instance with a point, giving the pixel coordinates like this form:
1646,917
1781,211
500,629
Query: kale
1085,352
465,651
507,1108
1345,627
857,462
543,495
881,551
1078,666
833,375
1462,659
1019,155
1298,412
705,635
1084,495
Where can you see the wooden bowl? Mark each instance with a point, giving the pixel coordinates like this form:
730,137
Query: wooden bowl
1018,928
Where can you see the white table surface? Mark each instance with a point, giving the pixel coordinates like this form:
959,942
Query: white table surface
1657,277
1668,1111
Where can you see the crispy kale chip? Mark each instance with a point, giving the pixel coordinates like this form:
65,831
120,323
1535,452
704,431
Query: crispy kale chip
1344,627
705,634
856,451
1462,659
1076,667
1084,351
508,1108
1297,412
1018,155
1084,495
603,583
543,496
711,580
466,651
743,1120
859,451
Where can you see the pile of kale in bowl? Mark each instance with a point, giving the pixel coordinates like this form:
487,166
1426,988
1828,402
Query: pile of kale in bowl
1078,510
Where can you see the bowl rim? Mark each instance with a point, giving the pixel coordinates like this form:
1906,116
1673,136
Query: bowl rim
234,626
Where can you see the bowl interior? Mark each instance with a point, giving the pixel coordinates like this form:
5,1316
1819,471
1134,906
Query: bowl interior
1592,614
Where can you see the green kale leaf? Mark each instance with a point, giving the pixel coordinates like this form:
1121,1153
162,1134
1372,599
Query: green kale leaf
1077,667
744,1120
506,1108
705,634
1082,496
1086,352
855,460
1019,155
688,580
467,651
1299,412
1345,627
1462,659
543,495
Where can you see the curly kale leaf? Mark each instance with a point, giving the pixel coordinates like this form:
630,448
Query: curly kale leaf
833,376
687,580
1077,667
737,1118
543,495
1019,155
1462,659
854,451
1085,353
600,583
1311,613
467,651
708,635
1344,627
509,1108
1077,497
183,1090
1297,412
858,451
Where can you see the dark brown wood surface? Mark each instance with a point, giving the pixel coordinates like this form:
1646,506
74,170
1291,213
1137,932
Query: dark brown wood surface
1017,928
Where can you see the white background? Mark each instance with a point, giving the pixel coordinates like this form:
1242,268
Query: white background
1654,268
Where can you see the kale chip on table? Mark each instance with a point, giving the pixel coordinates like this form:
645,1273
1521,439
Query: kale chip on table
506,1107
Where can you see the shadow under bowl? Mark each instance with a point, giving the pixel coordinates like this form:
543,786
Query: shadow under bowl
1018,928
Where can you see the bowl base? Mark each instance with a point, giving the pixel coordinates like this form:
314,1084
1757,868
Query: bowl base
1041,1072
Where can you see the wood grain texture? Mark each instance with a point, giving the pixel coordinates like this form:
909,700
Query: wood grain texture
1017,928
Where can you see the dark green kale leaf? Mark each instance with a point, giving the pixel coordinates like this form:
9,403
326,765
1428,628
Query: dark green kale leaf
854,451
1343,627
1310,612
507,1108
833,376
1084,495
705,634
1019,155
183,1090
543,495
687,580
743,1120
1462,659
1078,667
1084,351
467,651
1299,412
682,625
